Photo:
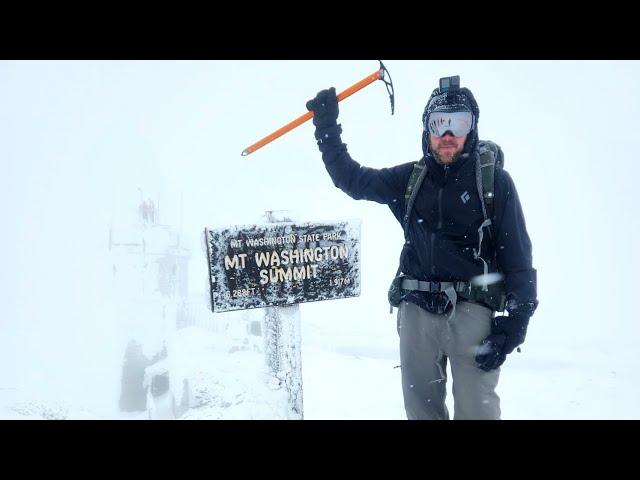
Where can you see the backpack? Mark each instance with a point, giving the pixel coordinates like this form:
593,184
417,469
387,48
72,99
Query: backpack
490,157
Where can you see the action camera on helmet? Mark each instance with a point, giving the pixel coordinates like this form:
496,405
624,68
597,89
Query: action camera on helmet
449,83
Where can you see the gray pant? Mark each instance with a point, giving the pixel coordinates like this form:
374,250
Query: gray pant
426,341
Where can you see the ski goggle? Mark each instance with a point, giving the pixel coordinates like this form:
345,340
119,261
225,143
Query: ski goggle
458,123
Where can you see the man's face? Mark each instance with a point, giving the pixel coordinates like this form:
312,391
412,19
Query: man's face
447,148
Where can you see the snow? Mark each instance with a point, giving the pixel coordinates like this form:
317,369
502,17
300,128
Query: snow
86,143
227,381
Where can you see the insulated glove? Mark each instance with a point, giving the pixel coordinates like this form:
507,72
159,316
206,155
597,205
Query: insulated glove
491,352
325,108
506,334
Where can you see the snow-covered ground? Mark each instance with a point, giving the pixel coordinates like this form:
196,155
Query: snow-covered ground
355,381
358,378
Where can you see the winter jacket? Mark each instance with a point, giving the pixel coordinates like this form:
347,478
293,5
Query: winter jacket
444,222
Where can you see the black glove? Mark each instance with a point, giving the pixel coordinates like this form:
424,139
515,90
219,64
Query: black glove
491,353
325,108
506,334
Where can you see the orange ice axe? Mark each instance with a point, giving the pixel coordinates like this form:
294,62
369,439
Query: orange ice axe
381,74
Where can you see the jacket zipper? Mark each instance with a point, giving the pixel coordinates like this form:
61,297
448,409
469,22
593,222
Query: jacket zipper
446,170
433,235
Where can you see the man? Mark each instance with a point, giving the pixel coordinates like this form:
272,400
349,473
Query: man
457,267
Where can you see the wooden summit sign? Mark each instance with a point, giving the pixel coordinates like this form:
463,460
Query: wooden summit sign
282,264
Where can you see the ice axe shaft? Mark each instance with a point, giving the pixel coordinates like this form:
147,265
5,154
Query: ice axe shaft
377,75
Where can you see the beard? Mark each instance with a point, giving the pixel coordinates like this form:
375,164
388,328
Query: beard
447,158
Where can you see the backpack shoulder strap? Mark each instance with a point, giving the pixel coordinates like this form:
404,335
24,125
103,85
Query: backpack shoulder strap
490,157
413,187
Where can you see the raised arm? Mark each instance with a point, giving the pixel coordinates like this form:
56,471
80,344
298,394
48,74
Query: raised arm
386,185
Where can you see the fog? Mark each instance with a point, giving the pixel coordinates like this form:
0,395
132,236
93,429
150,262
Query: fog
83,142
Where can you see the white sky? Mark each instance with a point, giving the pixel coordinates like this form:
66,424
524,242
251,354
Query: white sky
79,138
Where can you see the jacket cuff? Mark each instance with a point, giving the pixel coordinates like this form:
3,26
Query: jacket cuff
328,136
526,308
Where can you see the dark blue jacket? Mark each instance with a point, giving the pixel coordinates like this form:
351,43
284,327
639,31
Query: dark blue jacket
444,222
